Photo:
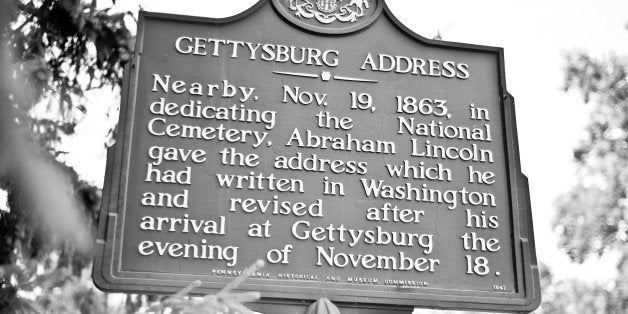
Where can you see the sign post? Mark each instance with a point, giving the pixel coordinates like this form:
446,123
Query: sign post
362,162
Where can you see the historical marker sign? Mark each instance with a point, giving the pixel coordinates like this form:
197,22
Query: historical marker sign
359,160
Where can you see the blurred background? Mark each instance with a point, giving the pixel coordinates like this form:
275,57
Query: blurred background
60,74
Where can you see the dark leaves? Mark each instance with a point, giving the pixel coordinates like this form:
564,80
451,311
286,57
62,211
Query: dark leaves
53,46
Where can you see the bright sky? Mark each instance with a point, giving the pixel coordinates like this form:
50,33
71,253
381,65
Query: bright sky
535,35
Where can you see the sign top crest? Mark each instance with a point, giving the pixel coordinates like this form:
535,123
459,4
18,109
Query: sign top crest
329,16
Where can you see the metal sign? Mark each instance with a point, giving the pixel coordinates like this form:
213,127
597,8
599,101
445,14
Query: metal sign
360,160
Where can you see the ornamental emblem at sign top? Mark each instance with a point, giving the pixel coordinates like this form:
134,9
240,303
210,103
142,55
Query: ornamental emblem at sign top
330,16
328,11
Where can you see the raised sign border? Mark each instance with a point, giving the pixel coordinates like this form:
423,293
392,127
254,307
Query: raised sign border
107,277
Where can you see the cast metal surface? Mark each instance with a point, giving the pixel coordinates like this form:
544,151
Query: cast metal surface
353,29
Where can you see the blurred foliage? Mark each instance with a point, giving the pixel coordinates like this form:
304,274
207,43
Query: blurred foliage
50,43
566,296
592,218
66,47
54,51
59,291
19,230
